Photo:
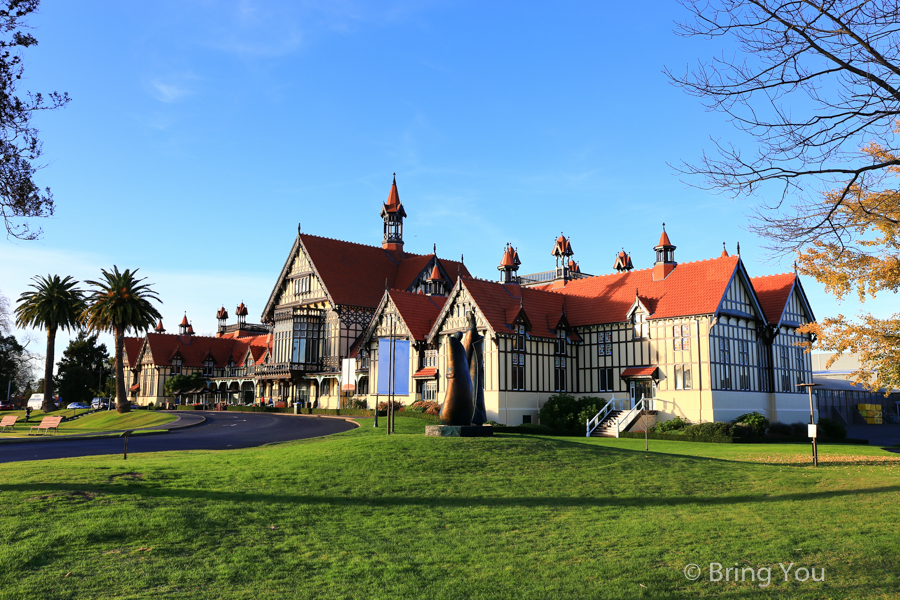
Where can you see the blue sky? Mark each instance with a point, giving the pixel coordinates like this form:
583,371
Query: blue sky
201,132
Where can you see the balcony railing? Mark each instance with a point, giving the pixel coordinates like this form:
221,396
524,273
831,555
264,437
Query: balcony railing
547,276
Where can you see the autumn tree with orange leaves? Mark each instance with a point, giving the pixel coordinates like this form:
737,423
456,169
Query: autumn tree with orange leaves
815,87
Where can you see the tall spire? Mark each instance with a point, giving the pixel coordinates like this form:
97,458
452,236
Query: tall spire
665,257
392,213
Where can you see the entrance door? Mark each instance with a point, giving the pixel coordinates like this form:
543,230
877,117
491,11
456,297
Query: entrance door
640,388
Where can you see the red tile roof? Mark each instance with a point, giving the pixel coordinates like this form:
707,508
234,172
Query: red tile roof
159,327
638,372
426,373
664,239
132,349
418,311
241,310
355,274
773,292
692,288
196,349
508,259
184,321
222,313
135,387
500,304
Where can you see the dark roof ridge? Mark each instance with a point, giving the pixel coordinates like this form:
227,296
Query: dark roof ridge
406,254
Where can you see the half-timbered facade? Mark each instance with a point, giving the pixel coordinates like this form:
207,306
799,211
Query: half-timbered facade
325,298
226,362
701,339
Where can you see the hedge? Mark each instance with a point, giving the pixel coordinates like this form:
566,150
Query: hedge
534,430
676,437
720,439
418,415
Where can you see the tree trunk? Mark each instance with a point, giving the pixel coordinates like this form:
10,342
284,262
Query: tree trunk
49,405
123,404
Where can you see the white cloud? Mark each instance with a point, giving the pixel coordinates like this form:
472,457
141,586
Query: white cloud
169,92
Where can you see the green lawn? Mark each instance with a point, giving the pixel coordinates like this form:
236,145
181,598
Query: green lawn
99,422
365,515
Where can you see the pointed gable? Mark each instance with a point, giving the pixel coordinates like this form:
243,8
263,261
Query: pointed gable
783,299
132,350
355,274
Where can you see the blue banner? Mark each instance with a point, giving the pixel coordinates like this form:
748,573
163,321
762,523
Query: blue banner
399,359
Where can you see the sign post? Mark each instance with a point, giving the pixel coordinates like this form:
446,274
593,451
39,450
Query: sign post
812,429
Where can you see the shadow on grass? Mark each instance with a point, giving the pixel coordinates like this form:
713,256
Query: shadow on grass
747,448
151,491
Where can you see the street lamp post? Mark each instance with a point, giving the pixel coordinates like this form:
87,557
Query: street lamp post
813,430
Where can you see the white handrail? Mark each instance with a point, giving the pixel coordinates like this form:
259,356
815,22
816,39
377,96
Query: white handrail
627,417
598,418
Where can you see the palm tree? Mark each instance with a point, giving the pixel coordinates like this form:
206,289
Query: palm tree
55,303
117,303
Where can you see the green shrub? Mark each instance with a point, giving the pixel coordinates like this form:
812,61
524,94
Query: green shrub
564,412
756,421
832,429
710,430
779,428
675,424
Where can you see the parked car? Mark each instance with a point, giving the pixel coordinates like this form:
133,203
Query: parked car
136,407
77,405
5,406
100,403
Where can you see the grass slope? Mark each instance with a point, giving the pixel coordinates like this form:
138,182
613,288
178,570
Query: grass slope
99,422
364,515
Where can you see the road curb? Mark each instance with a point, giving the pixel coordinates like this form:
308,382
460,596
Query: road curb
178,418
348,419
76,437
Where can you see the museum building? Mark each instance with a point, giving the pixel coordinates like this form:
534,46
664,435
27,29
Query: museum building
702,340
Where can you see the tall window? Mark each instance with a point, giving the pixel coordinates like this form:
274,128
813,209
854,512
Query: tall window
682,377
176,365
785,369
606,380
305,341
744,362
725,367
429,358
208,367
429,391
518,358
762,359
560,361
800,369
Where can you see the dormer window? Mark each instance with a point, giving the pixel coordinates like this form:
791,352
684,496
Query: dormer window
641,327
208,368
176,365
231,369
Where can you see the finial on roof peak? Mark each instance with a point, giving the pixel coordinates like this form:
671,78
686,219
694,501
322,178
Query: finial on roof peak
738,248
298,228
435,249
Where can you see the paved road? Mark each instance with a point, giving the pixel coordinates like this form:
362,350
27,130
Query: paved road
221,431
